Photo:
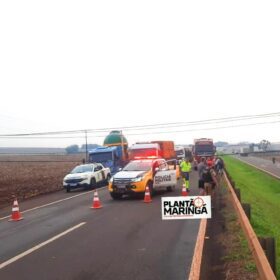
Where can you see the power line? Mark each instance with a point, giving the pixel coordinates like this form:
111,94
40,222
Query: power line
151,126
144,133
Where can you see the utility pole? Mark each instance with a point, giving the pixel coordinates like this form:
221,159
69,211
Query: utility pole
86,147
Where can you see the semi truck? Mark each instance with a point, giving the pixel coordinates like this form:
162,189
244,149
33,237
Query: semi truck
153,149
180,152
203,147
114,152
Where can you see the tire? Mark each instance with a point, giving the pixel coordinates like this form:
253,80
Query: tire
116,196
93,183
170,188
68,189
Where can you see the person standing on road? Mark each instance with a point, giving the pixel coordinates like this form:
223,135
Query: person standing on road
201,168
219,165
186,167
273,160
210,180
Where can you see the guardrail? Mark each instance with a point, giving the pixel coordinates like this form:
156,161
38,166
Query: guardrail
263,266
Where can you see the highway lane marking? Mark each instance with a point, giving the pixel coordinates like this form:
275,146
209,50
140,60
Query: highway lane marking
29,251
54,202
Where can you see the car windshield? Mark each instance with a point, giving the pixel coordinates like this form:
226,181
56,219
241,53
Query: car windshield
180,152
138,166
204,148
82,169
101,157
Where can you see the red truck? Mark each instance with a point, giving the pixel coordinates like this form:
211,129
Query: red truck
153,149
203,147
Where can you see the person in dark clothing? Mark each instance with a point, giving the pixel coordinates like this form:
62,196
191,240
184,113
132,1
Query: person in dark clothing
210,180
219,165
201,168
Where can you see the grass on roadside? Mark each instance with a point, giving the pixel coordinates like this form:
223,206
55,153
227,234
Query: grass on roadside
263,193
239,263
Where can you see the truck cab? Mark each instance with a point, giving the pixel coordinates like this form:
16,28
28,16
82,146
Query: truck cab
144,150
110,157
138,174
203,147
180,152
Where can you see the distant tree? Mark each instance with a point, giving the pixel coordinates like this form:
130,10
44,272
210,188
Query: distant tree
73,149
89,146
264,144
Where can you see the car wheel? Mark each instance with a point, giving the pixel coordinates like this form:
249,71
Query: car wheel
116,196
68,189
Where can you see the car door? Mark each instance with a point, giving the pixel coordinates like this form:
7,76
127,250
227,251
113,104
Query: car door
97,173
100,173
164,177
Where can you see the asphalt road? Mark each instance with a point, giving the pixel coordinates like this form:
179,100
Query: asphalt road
264,164
124,240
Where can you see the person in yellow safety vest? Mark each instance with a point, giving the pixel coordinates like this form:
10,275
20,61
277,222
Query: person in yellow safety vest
186,167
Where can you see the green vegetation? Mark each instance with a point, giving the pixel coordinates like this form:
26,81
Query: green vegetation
263,193
238,260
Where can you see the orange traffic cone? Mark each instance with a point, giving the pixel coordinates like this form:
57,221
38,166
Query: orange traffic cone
147,197
96,202
16,216
184,191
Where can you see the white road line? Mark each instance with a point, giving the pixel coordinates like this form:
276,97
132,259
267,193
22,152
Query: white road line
2,265
54,202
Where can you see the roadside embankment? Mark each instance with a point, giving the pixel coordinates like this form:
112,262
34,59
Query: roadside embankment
226,252
262,192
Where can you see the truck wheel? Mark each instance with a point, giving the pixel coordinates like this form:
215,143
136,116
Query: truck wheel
116,196
93,183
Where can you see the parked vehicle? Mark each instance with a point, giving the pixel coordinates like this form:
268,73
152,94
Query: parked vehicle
153,149
113,154
180,152
203,147
86,176
138,174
